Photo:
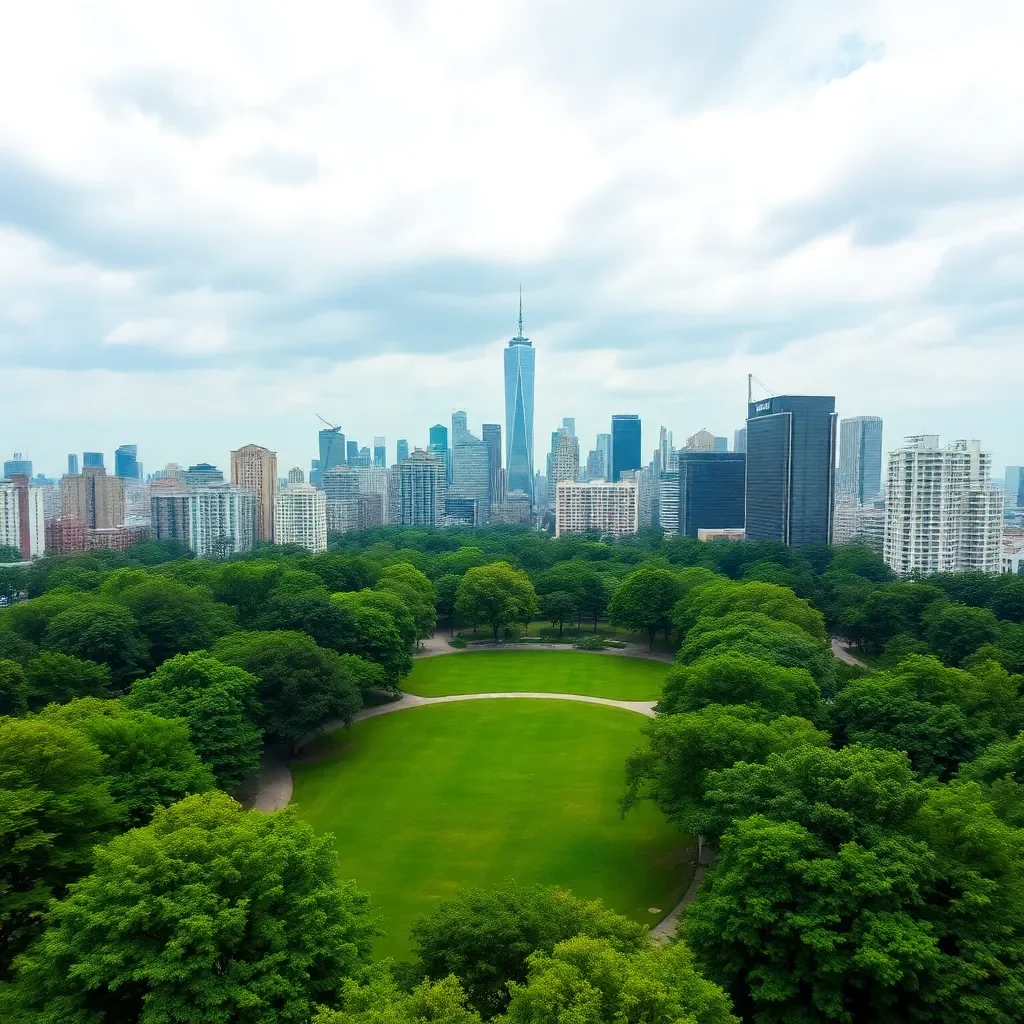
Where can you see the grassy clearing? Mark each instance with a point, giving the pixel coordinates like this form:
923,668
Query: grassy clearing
424,801
594,675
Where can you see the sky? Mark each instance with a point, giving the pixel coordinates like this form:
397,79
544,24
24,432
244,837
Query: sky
218,220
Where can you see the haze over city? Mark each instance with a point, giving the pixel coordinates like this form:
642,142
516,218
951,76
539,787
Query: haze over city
216,223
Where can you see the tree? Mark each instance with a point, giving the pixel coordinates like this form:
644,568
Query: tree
717,599
496,594
485,937
999,769
447,588
379,1000
418,593
588,981
593,595
210,913
301,686
57,678
955,631
644,602
105,633
13,688
385,601
740,679
679,751
30,619
148,761
246,586
220,705
9,553
892,609
328,621
378,641
55,805
559,607
343,572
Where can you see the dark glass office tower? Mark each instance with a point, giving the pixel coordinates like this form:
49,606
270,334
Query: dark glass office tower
401,450
492,438
791,456
92,460
711,491
625,445
859,478
126,462
439,448
380,455
520,368
332,449
351,451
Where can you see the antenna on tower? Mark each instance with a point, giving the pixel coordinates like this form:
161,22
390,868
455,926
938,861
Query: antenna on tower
751,380
520,310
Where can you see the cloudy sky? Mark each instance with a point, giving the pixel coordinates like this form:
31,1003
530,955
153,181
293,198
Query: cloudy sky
219,219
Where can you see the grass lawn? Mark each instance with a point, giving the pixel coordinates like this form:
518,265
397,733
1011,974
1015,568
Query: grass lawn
424,801
595,675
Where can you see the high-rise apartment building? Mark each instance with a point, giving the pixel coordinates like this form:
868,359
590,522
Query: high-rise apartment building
168,511
941,512
126,462
380,454
739,440
300,517
18,466
668,501
791,456
421,490
72,465
375,480
22,516
460,511
596,507
520,368
92,460
296,476
401,450
666,457
202,474
137,509
711,491
565,459
859,477
93,498
341,489
492,438
861,524
255,468
625,441
222,520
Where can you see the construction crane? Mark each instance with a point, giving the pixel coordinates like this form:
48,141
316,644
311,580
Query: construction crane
336,429
751,380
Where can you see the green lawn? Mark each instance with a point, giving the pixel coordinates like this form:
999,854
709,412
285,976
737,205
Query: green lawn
595,675
424,801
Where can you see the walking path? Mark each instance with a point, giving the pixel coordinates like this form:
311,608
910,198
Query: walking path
438,644
843,653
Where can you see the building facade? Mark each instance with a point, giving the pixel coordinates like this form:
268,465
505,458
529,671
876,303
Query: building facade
168,511
376,480
596,507
565,459
255,468
739,440
860,524
296,476
1013,485
72,465
520,370
22,517
18,465
421,490
711,491
471,474
791,454
93,498
401,450
126,462
222,520
92,460
491,436
625,445
942,514
859,477
380,453
300,517
201,475
438,447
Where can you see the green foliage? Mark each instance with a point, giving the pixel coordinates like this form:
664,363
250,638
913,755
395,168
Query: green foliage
1000,771
447,588
457,641
418,593
377,999
740,679
55,805
301,686
559,607
644,602
105,633
246,586
719,598
57,678
9,553
149,761
485,937
13,688
591,642
497,595
211,914
220,705
955,631
892,609
588,981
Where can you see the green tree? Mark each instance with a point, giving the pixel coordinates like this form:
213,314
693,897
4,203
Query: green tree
892,609
9,553
678,752
740,679
55,805
301,686
30,619
719,598
377,999
955,631
418,593
485,937
587,981
644,601
447,588
149,761
343,572
210,913
496,594
220,705
13,688
57,678
329,622
559,607
246,586
385,601
999,769
105,633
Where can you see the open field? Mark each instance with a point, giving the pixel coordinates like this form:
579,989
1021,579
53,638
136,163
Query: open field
424,801
594,675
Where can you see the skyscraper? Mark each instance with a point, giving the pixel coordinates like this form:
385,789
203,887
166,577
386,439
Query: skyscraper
332,449
520,367
92,460
565,461
1013,480
739,440
401,450
126,462
471,474
93,498
351,451
625,445
859,477
569,425
941,513
439,448
168,515
221,520
604,446
711,491
300,517
22,516
18,466
421,490
72,465
255,468
596,507
460,426
721,444
296,476
791,455
380,455
492,438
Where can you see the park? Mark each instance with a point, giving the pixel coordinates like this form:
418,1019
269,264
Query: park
425,801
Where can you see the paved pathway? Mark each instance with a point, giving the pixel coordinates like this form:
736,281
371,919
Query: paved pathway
438,644
843,653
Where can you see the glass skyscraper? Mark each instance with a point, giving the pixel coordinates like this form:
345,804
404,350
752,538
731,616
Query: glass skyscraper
380,455
401,450
92,460
126,462
352,451
492,438
859,478
791,456
520,366
438,447
625,445
711,491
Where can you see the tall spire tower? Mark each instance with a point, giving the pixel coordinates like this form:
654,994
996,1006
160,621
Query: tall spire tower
520,362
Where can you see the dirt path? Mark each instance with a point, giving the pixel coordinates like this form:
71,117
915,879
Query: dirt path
843,654
437,645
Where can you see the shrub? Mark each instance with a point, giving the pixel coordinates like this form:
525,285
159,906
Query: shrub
590,642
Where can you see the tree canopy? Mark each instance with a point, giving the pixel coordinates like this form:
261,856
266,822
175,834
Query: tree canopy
497,595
